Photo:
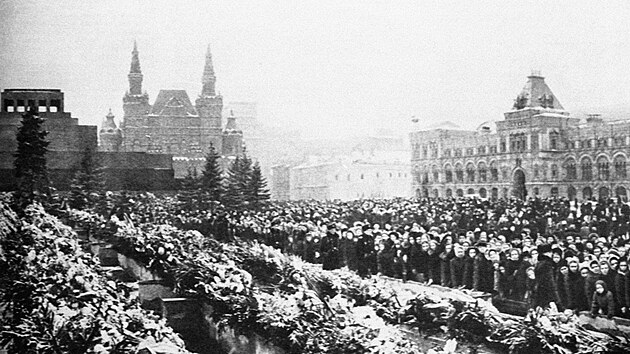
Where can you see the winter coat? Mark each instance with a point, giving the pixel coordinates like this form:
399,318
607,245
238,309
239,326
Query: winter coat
330,251
546,287
603,302
445,268
457,271
620,291
469,265
576,294
349,253
483,274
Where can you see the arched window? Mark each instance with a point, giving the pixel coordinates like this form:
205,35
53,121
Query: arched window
483,193
554,191
495,193
459,173
587,169
603,168
449,193
448,174
571,193
587,193
620,167
494,171
554,171
470,173
621,193
483,172
436,174
554,140
460,193
570,170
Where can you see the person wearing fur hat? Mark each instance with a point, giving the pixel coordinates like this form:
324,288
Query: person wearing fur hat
603,302
546,287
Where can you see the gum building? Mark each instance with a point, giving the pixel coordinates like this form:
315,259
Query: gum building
172,124
538,149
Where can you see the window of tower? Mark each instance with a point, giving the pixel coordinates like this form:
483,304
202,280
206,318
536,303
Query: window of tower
41,106
21,107
8,106
55,105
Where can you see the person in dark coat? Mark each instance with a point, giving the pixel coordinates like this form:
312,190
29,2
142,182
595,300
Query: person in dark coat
576,296
483,272
546,287
433,263
603,302
469,267
512,266
385,259
445,264
348,247
457,267
330,249
621,289
562,280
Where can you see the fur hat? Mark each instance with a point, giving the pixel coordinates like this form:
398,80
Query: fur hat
544,248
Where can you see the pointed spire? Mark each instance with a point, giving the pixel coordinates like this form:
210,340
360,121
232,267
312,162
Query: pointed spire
135,61
208,79
109,123
135,74
231,123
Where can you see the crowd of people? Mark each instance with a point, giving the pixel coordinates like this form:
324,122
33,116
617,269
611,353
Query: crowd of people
537,251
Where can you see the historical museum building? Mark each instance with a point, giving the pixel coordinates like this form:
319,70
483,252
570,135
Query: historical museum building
173,125
537,150
69,144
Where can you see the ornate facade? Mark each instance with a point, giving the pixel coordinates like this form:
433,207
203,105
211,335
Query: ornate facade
172,125
537,150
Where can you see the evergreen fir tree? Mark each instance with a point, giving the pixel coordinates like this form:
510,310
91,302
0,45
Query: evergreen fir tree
212,179
88,184
257,191
30,162
189,191
237,184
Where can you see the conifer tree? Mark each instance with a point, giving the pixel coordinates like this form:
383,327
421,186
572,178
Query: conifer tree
30,162
211,179
88,183
237,184
257,191
189,191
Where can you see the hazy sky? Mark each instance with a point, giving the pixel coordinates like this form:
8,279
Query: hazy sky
337,67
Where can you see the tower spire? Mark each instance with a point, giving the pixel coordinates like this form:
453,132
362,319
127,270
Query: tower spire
208,79
135,74
135,61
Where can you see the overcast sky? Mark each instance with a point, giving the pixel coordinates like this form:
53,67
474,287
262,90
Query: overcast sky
336,67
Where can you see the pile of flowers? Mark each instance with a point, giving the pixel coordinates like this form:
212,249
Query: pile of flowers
55,298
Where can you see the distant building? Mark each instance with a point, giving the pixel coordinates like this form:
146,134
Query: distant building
371,167
537,150
69,142
350,180
172,125
280,182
